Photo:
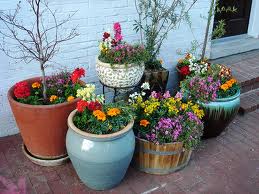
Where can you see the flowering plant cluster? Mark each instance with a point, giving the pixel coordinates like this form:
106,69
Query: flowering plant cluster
189,65
61,87
218,82
114,51
93,116
165,119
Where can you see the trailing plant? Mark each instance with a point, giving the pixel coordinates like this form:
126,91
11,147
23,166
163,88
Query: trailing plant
93,116
156,18
114,51
38,41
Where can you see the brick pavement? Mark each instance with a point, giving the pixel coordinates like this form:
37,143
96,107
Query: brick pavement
227,164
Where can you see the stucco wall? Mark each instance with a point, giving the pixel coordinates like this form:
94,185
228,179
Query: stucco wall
92,18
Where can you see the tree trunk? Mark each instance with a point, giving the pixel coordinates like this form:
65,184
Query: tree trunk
44,84
207,30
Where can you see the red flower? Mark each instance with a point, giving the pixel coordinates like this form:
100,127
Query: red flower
77,74
81,105
185,70
22,90
92,106
106,35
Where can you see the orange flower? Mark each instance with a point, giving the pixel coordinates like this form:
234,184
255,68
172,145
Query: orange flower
188,56
53,98
113,112
180,61
232,81
70,98
100,115
224,87
36,85
144,123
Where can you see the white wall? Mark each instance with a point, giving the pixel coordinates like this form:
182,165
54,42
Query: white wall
92,18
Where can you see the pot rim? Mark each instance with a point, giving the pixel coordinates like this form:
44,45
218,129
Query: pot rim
10,97
95,136
118,66
237,94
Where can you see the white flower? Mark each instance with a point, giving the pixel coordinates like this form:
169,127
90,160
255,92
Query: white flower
145,86
143,93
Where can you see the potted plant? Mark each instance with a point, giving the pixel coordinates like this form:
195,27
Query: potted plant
156,19
100,140
120,65
218,93
190,66
166,130
40,105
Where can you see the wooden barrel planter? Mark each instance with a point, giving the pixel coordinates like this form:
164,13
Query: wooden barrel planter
160,159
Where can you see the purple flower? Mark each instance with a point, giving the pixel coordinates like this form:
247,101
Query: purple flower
166,95
179,95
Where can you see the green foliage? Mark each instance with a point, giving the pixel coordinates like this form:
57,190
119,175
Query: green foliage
156,19
219,30
109,119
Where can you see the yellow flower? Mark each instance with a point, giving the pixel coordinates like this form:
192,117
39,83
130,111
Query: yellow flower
53,98
113,112
36,85
180,61
161,61
224,87
197,111
144,123
184,106
70,98
99,115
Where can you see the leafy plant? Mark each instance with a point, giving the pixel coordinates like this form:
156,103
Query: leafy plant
93,116
156,18
164,119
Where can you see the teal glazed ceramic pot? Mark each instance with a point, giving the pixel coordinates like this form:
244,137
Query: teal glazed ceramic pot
219,114
101,161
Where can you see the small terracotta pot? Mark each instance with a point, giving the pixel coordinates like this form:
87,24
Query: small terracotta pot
43,127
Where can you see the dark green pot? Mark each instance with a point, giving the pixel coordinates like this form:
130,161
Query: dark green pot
157,79
219,114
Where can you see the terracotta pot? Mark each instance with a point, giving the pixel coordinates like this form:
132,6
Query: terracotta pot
157,79
43,127
160,159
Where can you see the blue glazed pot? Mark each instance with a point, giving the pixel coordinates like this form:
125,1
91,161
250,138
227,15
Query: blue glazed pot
101,161
219,114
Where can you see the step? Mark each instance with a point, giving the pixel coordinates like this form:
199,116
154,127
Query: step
245,67
249,101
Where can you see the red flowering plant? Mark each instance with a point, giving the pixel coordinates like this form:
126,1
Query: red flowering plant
61,87
189,66
114,50
93,116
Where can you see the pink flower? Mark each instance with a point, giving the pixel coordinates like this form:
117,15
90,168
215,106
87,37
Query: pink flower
166,95
179,95
117,29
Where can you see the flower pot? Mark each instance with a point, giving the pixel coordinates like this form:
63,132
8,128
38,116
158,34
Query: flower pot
43,127
219,114
100,161
119,76
160,159
157,79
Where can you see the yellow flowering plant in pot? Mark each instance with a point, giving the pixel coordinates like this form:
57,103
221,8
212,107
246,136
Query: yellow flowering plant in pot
100,140
166,129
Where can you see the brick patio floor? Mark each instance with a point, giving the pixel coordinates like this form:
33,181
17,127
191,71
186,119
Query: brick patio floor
227,164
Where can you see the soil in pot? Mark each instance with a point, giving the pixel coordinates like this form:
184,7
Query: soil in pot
101,161
43,127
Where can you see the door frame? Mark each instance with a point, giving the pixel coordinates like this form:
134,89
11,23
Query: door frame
253,26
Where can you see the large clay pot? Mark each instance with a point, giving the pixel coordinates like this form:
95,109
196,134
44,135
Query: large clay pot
160,159
157,79
100,161
119,76
219,114
43,127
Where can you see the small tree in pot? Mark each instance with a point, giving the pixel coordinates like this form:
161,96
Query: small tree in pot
40,105
156,19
